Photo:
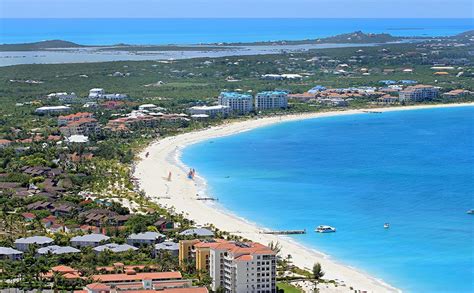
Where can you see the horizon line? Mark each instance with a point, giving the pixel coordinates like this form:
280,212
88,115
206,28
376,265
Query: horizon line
234,17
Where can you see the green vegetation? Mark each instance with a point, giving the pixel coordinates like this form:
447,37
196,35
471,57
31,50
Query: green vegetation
76,184
287,288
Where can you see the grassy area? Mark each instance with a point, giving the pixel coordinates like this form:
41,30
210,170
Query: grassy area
288,288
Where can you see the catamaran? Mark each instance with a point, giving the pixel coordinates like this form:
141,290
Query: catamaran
325,229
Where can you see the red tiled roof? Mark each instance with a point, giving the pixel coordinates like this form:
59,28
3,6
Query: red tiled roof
137,277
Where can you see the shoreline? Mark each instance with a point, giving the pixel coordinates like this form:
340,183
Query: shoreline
180,193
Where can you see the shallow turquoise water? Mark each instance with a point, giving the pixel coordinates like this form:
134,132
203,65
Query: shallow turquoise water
414,169
94,31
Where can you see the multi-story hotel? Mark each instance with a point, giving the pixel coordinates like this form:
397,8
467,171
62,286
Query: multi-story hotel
418,93
83,126
211,111
237,102
242,267
235,267
271,100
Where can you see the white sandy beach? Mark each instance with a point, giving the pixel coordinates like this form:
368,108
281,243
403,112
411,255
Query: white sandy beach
181,192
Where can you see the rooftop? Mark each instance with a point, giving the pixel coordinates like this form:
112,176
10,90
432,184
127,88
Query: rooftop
167,245
91,238
197,232
34,240
235,95
114,247
9,251
55,249
272,93
145,236
136,277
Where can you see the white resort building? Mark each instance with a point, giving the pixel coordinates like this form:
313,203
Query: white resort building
211,111
242,267
237,102
418,93
271,100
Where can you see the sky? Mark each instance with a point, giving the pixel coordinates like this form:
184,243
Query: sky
236,8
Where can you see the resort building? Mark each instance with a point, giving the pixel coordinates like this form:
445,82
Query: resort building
23,244
126,278
57,250
197,232
211,111
66,119
83,126
418,93
242,267
456,93
196,251
10,253
89,240
167,246
238,103
114,97
63,97
388,100
271,100
145,238
114,247
52,110
96,93
333,102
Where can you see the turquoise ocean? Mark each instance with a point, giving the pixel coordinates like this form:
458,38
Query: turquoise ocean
413,169
110,31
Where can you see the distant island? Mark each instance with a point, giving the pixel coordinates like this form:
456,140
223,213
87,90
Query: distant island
357,37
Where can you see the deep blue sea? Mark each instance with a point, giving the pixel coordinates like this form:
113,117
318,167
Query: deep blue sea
413,169
194,31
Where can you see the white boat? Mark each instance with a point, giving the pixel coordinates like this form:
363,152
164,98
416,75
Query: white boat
325,229
470,212
386,225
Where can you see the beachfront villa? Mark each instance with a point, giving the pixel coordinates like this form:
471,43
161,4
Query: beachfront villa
418,93
237,102
271,100
210,111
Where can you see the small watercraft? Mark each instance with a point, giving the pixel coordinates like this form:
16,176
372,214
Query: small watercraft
325,229
386,225
470,212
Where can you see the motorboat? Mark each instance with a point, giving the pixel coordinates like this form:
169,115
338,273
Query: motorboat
470,212
325,229
386,225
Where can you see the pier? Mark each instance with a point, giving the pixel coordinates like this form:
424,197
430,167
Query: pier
207,198
372,112
285,232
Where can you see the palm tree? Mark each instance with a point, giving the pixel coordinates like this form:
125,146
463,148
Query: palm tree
318,273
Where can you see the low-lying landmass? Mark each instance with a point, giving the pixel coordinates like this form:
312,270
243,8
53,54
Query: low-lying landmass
72,135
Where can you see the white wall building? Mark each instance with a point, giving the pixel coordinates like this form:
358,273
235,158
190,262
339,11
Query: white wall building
52,109
418,93
89,240
211,111
271,100
23,244
237,102
96,93
242,267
